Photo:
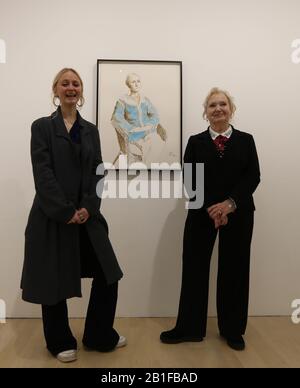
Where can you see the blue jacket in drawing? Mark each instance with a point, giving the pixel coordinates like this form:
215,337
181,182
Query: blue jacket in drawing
128,114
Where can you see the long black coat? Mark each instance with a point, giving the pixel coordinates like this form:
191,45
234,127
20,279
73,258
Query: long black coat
64,181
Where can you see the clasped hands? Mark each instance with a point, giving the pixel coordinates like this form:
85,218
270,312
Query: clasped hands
80,216
218,213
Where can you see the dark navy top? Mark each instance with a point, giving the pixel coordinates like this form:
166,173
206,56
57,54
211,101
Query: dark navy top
75,133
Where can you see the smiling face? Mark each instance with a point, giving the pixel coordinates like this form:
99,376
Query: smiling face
218,110
68,89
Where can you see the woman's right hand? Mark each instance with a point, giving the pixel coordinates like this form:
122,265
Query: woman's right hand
75,219
80,217
220,221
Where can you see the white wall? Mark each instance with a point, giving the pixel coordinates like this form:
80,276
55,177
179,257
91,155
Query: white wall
242,46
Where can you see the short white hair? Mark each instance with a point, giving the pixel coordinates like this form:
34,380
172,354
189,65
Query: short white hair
130,75
218,91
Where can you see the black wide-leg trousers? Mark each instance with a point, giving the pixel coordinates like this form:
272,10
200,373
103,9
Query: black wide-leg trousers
99,333
233,273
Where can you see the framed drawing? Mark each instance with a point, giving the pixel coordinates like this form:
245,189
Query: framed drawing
139,113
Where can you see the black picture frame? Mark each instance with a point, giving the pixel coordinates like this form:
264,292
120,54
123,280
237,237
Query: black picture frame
139,113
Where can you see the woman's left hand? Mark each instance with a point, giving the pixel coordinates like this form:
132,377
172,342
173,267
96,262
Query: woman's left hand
220,209
83,215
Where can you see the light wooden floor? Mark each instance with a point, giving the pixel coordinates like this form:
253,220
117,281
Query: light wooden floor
271,342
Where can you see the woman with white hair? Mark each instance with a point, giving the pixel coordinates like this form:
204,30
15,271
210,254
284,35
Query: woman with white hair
231,175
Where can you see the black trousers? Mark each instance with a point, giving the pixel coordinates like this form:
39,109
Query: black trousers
233,273
99,333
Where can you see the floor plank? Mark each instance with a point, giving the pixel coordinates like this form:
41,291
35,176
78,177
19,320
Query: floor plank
271,342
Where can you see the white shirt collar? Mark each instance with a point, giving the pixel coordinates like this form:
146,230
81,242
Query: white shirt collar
215,134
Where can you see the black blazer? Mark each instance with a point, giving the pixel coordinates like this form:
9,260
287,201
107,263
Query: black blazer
234,175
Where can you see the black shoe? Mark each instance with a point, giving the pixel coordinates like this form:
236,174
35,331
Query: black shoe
175,337
235,342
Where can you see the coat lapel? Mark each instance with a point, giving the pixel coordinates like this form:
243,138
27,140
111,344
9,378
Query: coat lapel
209,142
60,128
61,131
85,139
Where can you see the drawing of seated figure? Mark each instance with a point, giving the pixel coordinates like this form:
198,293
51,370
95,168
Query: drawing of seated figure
136,122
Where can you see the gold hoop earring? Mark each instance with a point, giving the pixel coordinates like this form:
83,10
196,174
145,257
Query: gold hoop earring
80,102
54,101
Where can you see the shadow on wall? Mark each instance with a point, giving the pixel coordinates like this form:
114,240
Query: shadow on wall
166,276
166,279
2,51
13,221
13,245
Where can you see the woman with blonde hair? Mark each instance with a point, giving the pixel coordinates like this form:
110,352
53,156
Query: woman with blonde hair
66,237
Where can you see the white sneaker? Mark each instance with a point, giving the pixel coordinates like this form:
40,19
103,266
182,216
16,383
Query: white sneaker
122,342
67,355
